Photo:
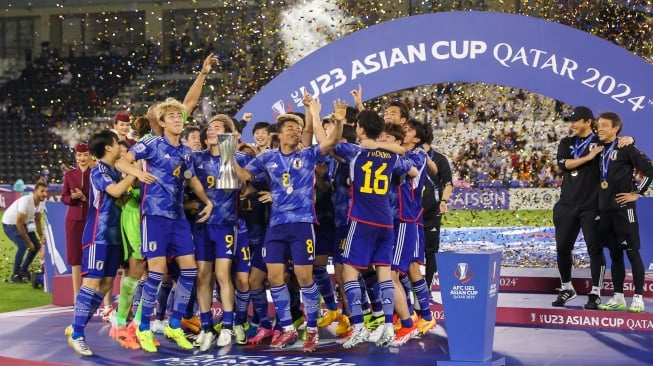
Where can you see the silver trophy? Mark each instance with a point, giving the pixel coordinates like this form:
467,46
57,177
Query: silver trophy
228,178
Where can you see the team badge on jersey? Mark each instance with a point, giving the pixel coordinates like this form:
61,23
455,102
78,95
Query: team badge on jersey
139,148
297,163
152,246
99,265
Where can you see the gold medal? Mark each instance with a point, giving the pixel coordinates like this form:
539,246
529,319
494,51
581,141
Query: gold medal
574,173
604,184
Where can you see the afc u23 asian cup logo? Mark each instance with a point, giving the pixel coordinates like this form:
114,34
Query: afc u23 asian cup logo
463,272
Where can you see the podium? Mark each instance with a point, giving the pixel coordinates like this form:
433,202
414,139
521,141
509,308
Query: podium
469,284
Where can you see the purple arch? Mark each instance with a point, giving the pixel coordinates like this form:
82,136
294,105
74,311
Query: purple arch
530,53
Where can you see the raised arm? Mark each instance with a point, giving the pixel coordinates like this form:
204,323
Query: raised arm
340,109
358,97
314,108
195,90
307,132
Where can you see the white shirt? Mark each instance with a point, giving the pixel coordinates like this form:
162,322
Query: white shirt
24,205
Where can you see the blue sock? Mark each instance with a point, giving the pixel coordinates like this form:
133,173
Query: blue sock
354,294
407,323
162,299
365,302
325,286
281,299
373,291
240,306
192,299
86,303
311,297
405,283
228,320
387,292
182,295
206,320
260,304
423,298
149,297
138,295
170,303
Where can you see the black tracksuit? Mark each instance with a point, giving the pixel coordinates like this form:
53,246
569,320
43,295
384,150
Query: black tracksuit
619,224
431,197
578,208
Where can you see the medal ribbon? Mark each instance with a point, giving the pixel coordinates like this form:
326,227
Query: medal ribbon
605,160
579,149
285,165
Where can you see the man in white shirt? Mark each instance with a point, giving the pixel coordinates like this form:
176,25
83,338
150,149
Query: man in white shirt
21,222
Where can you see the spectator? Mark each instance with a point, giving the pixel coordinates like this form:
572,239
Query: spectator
22,221
74,194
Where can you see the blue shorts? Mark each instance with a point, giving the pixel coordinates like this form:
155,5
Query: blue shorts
324,240
214,241
256,258
294,242
421,245
101,260
406,245
368,244
165,237
256,235
242,255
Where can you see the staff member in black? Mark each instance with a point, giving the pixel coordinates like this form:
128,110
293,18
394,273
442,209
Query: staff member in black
578,205
437,190
617,196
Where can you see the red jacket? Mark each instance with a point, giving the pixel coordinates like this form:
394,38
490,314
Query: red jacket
74,178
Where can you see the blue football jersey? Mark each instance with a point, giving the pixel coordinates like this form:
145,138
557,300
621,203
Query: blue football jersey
339,178
370,172
410,189
292,179
172,166
103,220
225,201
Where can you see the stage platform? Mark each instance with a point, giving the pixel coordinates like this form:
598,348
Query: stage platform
529,331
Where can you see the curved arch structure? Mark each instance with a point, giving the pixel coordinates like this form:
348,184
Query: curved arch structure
530,53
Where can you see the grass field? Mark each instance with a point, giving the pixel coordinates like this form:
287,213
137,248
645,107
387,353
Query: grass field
22,296
497,218
17,296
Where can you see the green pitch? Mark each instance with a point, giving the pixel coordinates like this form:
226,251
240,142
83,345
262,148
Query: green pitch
497,218
17,296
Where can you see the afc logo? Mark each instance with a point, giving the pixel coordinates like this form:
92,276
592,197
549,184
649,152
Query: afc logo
463,272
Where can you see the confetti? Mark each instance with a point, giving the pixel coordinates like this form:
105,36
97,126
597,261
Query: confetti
64,99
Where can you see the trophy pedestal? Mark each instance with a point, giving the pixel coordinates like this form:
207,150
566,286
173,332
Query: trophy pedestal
469,285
